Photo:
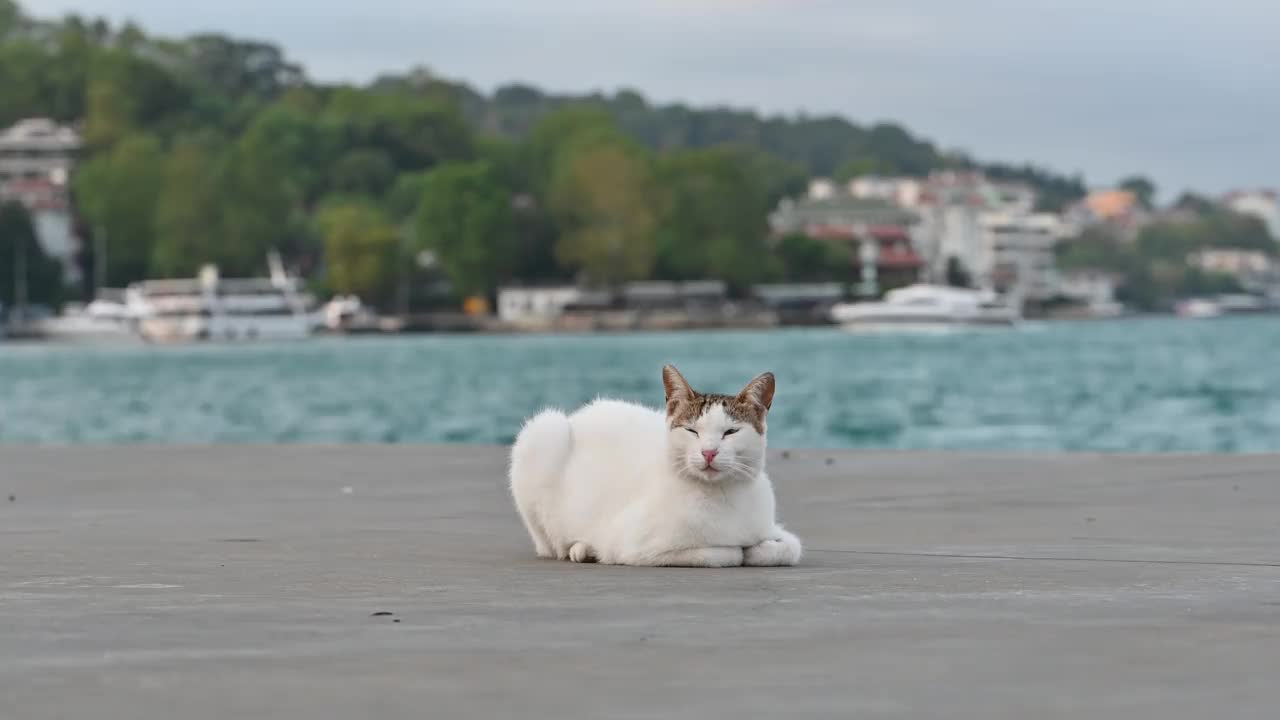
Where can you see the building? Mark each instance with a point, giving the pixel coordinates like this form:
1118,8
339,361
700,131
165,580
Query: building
1255,270
1232,262
901,191
38,148
523,305
48,206
799,303
1262,204
36,159
663,295
950,207
1119,210
536,306
877,235
1017,255
1095,290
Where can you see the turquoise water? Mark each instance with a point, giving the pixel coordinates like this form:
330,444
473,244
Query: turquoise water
1135,385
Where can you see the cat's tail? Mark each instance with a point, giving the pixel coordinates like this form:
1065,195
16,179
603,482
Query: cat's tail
541,449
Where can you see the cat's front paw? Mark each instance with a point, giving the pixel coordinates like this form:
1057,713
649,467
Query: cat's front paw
773,552
581,553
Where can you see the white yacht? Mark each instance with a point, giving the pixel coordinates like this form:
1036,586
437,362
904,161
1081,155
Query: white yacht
210,307
102,320
925,306
1229,304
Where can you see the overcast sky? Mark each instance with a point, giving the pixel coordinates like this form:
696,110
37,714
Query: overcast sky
1187,91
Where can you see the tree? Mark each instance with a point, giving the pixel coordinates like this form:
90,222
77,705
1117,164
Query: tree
806,259
1142,188
258,211
405,196
361,249
957,274
125,92
238,68
1198,204
415,133
602,197
856,167
188,219
554,135
116,192
465,218
29,274
713,221
299,145
363,171
10,18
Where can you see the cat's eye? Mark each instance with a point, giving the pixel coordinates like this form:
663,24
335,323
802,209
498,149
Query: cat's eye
695,432
731,431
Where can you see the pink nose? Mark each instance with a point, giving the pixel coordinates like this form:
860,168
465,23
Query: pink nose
710,455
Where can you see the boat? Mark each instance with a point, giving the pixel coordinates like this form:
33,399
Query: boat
924,306
212,308
1229,304
102,320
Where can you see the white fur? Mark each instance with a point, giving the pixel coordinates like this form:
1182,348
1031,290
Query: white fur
612,483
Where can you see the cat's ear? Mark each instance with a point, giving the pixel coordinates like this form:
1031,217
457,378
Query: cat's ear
759,390
677,387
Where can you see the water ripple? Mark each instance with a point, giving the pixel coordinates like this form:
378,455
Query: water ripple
1148,385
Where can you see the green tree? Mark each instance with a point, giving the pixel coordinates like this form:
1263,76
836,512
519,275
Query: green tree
805,259
188,219
1142,188
856,167
465,218
957,274
416,133
577,124
603,199
361,249
299,145
363,171
1198,204
259,211
116,192
10,18
28,272
714,214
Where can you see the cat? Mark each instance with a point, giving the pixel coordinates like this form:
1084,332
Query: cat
623,484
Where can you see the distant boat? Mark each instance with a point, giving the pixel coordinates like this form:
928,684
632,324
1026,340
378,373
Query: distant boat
213,308
100,321
1234,304
923,306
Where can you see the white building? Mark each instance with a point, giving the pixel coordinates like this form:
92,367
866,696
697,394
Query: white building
525,305
1255,270
1094,289
1017,254
1262,204
38,148
1232,262
36,159
47,204
951,206
901,191
822,189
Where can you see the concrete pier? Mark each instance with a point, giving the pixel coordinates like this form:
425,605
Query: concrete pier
248,582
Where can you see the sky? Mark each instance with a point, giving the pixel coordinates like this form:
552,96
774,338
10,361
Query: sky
1184,91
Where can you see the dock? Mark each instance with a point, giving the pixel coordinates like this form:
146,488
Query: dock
150,583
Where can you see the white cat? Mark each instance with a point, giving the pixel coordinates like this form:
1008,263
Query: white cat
624,484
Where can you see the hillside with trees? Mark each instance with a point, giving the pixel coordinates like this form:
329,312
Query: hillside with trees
218,149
